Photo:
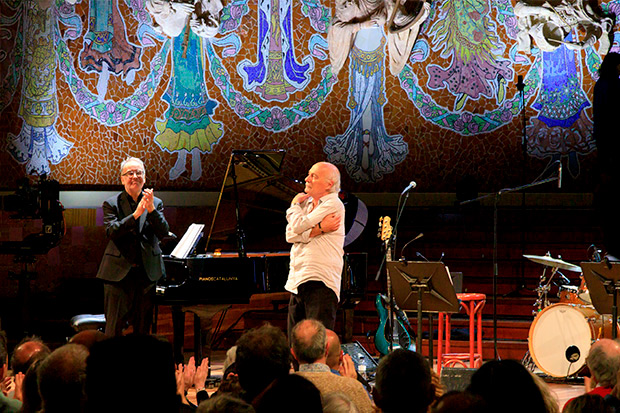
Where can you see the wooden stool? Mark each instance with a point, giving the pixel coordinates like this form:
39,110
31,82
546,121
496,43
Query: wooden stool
473,304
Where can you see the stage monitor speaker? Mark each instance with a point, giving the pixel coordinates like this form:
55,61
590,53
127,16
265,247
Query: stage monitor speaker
456,378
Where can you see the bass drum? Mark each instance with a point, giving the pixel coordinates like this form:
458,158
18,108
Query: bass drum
561,335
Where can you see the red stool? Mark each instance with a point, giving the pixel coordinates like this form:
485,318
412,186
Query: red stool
473,304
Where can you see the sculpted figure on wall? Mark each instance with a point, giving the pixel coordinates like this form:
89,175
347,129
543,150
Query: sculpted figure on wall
550,22
402,18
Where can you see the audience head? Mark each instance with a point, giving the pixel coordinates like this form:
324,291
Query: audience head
507,386
88,337
338,402
30,388
403,383
334,352
460,402
262,356
28,350
604,361
224,403
130,374
61,379
588,403
309,341
289,393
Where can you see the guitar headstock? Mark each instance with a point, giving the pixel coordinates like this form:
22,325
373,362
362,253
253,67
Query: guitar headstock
385,228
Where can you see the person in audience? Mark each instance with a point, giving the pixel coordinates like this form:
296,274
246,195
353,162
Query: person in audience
225,403
88,337
338,402
338,362
507,386
603,361
551,401
262,356
403,383
61,380
7,404
189,376
588,403
30,388
460,402
309,347
230,379
289,393
133,373
26,351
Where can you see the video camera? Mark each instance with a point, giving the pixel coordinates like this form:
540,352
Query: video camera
40,202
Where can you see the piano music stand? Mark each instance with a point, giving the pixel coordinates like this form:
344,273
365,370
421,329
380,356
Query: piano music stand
603,281
425,287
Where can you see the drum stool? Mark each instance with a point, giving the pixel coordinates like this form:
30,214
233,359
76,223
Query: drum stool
473,304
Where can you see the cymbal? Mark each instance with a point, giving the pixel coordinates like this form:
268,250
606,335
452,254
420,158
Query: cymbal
553,262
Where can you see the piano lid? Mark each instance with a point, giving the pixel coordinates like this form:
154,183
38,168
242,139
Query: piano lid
254,185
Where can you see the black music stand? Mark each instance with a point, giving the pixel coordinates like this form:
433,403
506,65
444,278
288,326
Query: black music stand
603,281
425,287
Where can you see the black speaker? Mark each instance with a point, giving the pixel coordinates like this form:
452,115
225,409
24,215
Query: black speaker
456,378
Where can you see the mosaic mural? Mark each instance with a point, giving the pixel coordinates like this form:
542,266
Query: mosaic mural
425,91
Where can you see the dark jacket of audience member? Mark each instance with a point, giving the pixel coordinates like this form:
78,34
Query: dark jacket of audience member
132,373
262,356
403,383
61,379
507,386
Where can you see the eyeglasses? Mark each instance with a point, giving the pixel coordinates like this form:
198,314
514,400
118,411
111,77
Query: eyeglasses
139,173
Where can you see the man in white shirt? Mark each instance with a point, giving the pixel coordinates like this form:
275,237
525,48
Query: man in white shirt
316,230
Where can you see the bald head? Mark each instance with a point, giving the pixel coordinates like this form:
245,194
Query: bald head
309,341
604,361
30,349
88,337
323,178
333,350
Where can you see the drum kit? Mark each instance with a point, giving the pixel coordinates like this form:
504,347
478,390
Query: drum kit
561,334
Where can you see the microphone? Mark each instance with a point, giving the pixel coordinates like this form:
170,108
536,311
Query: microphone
560,176
411,185
520,84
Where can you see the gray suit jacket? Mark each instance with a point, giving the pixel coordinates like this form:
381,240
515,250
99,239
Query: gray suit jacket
132,243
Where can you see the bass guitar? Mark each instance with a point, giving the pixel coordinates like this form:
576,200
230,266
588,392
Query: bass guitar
399,337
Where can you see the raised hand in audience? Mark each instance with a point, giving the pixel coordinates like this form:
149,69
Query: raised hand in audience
19,386
347,367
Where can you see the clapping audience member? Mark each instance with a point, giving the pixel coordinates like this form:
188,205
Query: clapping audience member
133,373
309,347
61,379
403,383
262,356
508,387
189,376
6,404
338,362
289,393
230,379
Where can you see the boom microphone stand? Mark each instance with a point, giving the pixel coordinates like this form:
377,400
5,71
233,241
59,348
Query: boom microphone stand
497,196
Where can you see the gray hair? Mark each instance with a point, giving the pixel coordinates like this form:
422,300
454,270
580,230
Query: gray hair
131,159
604,361
309,340
338,402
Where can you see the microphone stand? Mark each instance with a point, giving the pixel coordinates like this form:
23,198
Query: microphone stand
497,196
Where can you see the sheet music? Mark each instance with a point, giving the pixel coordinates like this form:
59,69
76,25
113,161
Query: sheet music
188,242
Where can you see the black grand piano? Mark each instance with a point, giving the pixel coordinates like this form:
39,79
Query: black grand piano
227,266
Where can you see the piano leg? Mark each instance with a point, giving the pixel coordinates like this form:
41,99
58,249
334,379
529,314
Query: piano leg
178,330
347,325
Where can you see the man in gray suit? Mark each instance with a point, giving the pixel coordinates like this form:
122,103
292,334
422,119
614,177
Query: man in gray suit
132,262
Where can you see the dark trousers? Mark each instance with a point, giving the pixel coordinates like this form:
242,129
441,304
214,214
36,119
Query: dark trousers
129,300
313,300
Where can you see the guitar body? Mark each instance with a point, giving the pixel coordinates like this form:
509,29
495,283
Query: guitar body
401,339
